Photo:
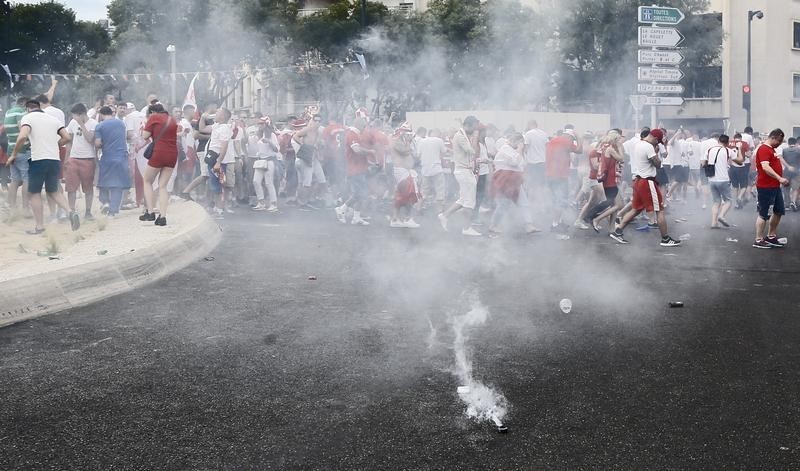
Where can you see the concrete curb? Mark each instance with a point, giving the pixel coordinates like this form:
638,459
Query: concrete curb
38,295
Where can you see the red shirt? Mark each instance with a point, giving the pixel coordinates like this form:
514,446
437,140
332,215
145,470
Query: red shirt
594,163
766,153
557,158
374,138
608,167
167,144
356,163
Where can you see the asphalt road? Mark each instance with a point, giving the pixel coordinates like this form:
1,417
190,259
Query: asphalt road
243,362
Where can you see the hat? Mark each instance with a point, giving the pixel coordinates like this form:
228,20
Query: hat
130,106
658,134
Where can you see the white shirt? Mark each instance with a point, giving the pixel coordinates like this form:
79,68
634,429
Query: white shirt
56,113
718,157
43,135
186,138
640,160
694,153
220,134
267,146
705,145
431,149
535,144
81,148
507,158
629,146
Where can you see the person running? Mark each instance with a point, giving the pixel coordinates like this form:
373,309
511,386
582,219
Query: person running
720,158
358,159
81,159
163,129
557,166
611,160
114,175
464,160
769,179
46,134
507,183
646,193
591,185
19,167
406,193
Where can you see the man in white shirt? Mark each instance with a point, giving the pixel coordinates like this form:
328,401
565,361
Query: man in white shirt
535,151
720,157
79,168
702,184
220,147
431,149
646,194
43,131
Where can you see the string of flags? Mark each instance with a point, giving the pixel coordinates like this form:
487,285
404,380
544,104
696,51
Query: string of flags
21,77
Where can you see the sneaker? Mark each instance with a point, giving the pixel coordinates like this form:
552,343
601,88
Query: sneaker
774,242
470,232
581,225
104,209
617,235
340,214
443,221
652,225
74,221
35,231
761,244
272,209
396,223
359,222
260,207
668,241
793,207
411,224
148,216
161,221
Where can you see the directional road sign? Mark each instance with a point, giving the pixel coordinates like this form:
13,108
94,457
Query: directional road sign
659,88
660,74
659,37
637,101
647,56
660,15
664,100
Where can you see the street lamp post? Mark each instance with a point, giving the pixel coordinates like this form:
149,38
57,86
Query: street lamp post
750,14
171,51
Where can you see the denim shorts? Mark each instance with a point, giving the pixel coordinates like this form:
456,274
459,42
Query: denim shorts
20,166
358,187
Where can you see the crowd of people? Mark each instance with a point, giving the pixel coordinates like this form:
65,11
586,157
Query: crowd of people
144,158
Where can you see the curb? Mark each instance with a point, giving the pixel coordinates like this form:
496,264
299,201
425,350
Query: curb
38,295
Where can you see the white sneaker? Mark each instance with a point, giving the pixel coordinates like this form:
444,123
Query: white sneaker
260,207
272,209
396,223
411,224
340,214
230,211
580,224
359,222
471,232
443,221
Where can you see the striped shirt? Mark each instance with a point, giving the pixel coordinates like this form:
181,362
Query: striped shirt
11,123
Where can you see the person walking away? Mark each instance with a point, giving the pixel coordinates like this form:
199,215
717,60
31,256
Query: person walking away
162,128
535,151
557,165
81,159
19,167
791,163
720,157
46,134
114,176
431,150
358,159
646,193
769,179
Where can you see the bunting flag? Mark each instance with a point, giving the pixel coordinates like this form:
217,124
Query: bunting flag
8,72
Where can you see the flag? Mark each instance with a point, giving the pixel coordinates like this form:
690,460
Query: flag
363,62
190,96
8,72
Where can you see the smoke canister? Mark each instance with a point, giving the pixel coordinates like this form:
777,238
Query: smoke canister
502,429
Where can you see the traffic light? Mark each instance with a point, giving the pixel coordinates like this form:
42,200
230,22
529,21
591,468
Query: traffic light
746,97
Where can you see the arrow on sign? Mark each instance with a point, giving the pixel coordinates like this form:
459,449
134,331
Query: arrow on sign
664,101
660,15
647,56
659,88
660,74
659,37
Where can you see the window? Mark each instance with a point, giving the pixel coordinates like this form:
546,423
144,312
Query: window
796,36
796,86
795,131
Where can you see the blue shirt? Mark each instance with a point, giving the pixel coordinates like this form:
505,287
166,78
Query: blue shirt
113,135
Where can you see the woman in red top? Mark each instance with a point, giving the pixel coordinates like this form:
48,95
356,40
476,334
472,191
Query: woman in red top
163,129
613,156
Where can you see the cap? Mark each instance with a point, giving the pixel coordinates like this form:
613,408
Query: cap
658,134
130,106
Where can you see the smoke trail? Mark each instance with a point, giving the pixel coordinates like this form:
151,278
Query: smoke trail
483,402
